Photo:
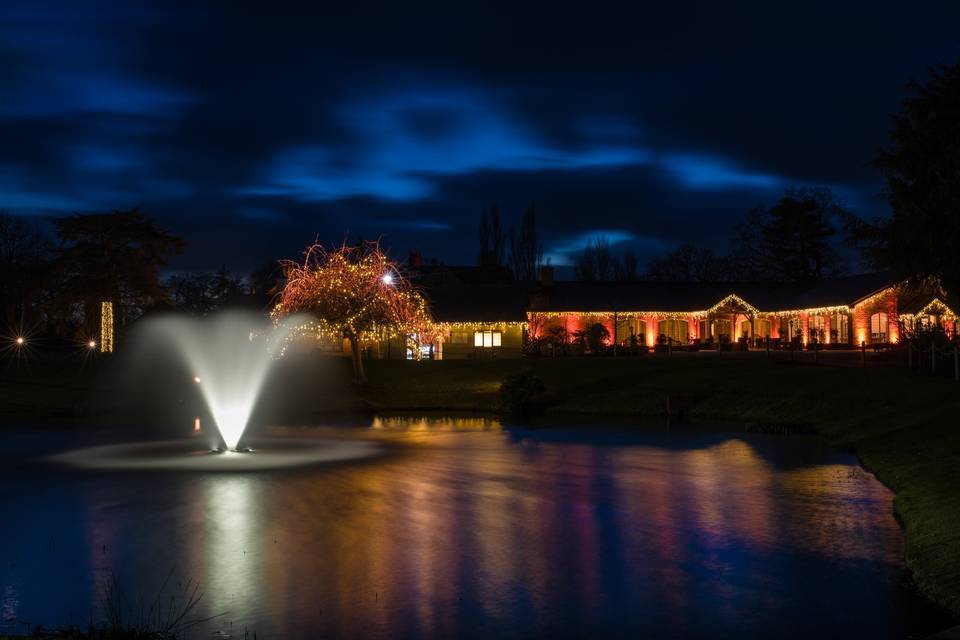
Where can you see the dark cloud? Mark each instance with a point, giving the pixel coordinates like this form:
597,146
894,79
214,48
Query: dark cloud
254,128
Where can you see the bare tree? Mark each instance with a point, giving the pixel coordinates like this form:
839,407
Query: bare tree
526,252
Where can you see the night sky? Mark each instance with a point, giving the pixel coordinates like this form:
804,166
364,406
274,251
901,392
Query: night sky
251,131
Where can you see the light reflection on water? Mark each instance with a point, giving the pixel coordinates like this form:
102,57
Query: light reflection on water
465,530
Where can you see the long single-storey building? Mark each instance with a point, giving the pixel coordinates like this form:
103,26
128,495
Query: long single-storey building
480,316
499,319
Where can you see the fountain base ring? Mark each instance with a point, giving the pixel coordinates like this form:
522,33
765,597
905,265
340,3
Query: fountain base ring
272,453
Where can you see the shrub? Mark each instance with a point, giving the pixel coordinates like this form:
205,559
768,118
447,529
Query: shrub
518,393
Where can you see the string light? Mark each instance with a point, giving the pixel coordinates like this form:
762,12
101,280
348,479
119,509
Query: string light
813,311
935,307
106,327
481,326
354,293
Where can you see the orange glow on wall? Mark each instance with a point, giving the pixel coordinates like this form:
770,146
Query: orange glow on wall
651,324
196,425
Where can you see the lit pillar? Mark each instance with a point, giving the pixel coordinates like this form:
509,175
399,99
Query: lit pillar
106,327
651,322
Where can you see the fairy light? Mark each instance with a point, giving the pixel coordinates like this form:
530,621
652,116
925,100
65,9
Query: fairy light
732,300
477,326
812,311
354,292
20,341
92,344
106,327
935,307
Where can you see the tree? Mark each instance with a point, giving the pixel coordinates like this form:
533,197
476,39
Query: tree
492,238
598,262
605,259
586,265
922,170
526,252
204,292
626,267
791,241
266,279
24,261
357,293
112,257
688,263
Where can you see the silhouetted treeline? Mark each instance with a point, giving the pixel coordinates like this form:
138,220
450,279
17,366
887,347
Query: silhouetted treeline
54,278
921,165
598,262
791,241
525,250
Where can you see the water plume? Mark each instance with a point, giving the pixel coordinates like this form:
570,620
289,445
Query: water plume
230,355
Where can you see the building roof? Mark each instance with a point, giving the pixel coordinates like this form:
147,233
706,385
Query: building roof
696,296
843,291
507,302
454,300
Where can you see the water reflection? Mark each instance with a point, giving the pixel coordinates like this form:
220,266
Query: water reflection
234,550
465,530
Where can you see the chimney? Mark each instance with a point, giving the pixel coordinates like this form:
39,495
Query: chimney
546,275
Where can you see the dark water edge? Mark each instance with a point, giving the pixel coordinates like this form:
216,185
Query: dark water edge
465,530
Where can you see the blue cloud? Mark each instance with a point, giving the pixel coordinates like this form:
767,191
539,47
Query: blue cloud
698,171
23,196
416,225
563,252
405,141
104,158
71,61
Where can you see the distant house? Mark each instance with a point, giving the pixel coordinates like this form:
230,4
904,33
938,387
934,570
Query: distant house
481,320
865,309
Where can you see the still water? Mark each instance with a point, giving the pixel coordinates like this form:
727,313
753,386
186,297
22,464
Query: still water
461,529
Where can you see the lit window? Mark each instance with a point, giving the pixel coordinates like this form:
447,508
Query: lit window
487,339
818,327
878,327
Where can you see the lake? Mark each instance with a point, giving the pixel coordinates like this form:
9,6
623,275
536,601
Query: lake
462,529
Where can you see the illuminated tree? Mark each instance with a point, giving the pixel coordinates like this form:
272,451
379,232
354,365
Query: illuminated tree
357,293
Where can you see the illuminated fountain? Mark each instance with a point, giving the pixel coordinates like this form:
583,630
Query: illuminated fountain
230,359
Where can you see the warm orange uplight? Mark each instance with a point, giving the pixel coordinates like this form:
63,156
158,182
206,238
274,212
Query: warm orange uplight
196,425
861,338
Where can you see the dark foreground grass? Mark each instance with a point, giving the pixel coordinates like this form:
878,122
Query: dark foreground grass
904,426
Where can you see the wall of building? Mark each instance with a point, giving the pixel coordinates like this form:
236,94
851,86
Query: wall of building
863,312
461,341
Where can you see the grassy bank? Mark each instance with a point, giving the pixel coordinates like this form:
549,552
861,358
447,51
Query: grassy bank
904,426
